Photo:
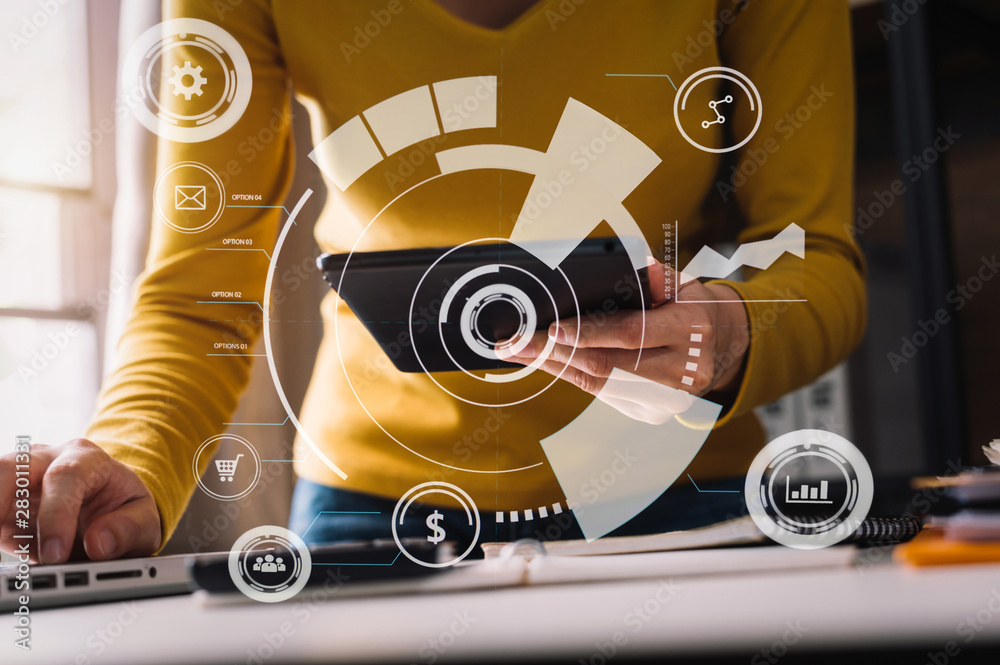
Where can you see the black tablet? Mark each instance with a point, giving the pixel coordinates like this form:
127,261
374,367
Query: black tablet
449,308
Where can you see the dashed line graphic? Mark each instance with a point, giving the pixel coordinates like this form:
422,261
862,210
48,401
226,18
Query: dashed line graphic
692,365
514,516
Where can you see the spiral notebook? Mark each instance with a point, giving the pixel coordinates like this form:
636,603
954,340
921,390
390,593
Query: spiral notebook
739,531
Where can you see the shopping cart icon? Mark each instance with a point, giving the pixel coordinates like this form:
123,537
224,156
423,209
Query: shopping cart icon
227,468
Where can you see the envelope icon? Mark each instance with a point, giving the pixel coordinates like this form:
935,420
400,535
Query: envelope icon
189,197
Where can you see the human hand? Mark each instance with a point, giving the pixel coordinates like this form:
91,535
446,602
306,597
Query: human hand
695,346
81,502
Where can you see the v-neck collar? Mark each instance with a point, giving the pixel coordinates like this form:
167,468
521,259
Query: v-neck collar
442,15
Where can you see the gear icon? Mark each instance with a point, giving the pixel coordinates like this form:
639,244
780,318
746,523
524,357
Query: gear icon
197,80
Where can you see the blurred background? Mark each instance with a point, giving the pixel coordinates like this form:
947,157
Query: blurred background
920,395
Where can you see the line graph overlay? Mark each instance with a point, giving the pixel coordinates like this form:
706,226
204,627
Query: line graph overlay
761,255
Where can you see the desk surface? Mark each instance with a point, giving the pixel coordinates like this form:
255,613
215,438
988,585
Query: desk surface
737,614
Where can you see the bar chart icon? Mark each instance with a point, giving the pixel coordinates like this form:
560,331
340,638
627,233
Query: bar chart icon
807,494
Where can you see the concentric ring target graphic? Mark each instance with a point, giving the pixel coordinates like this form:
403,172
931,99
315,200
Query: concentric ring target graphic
470,320
452,492
472,338
354,388
205,73
471,301
809,489
269,564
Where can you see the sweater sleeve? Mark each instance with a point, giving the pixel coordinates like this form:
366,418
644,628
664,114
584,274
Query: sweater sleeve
169,391
797,168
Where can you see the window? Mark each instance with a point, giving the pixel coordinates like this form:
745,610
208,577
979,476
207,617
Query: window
56,183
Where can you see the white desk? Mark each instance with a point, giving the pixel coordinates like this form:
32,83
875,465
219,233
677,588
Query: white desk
736,614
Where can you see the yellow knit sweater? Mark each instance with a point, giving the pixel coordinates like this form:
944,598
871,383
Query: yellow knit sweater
167,396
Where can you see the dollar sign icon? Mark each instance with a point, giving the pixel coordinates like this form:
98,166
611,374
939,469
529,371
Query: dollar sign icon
437,532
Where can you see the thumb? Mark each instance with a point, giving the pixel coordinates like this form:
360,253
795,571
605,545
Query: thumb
665,282
657,281
132,529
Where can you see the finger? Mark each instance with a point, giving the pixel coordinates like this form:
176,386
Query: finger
586,382
658,283
599,388
598,362
8,488
669,325
639,398
524,351
641,370
70,479
125,531
37,462
665,283
651,395
656,364
678,281
621,330
636,411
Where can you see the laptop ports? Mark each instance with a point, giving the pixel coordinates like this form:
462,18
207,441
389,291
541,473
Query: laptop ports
77,578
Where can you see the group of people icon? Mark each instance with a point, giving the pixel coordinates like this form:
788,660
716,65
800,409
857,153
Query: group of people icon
269,564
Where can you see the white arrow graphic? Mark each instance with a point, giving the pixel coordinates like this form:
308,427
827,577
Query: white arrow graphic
761,254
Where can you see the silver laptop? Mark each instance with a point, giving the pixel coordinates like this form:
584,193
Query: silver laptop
93,582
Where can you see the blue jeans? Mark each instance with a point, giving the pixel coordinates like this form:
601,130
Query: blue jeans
322,514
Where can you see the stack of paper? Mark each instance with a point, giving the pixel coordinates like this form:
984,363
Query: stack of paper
971,531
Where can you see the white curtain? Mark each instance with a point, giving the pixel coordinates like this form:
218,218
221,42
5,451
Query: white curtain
135,162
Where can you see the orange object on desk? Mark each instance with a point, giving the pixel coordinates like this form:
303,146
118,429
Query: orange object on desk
930,548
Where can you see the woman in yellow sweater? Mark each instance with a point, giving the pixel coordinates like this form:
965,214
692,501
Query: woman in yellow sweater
122,490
